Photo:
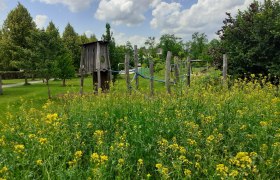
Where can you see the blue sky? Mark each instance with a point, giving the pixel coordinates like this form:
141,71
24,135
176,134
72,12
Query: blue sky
132,20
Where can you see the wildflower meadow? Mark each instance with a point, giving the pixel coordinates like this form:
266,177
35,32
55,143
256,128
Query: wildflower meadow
207,131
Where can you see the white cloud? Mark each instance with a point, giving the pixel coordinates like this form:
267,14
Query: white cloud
122,38
41,21
89,33
2,5
205,16
128,12
73,5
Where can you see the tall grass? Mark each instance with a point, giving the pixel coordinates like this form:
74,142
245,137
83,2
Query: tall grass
206,131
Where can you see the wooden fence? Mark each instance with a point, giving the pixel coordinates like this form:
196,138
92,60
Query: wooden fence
167,80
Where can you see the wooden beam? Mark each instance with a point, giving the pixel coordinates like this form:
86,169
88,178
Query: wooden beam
167,72
136,67
126,62
189,72
152,77
98,66
225,67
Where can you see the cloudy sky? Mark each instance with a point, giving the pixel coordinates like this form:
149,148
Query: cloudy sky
132,20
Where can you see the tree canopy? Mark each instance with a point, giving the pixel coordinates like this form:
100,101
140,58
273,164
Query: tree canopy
252,39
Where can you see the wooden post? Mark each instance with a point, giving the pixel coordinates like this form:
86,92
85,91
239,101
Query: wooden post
225,67
1,89
189,71
152,77
98,66
167,72
176,70
126,63
136,67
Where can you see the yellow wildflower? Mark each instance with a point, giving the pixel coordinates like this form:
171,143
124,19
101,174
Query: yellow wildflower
140,162
233,173
31,136
159,166
103,158
94,157
187,172
210,139
121,161
43,140
19,148
3,170
72,163
78,154
39,162
263,123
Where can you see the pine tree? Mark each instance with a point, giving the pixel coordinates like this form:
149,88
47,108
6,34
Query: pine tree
17,29
71,40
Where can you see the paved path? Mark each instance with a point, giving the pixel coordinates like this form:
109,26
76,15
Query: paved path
21,84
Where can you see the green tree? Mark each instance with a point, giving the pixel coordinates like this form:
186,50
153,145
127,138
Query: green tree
63,64
83,39
169,42
252,39
115,55
64,67
198,46
17,29
215,52
71,40
47,49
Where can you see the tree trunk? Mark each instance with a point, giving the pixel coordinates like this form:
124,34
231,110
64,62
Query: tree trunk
63,82
33,77
49,91
1,89
25,80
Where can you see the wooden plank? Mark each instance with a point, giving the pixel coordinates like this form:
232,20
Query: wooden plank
167,72
126,63
98,66
136,67
152,77
188,71
225,67
176,70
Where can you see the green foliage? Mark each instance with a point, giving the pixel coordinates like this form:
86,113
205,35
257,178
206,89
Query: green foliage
17,29
215,53
169,42
71,40
198,47
83,39
252,39
64,67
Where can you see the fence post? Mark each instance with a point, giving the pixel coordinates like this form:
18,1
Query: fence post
1,89
176,70
189,71
126,63
152,77
167,72
225,67
98,66
136,67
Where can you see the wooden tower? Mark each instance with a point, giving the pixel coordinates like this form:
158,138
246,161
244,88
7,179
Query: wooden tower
95,60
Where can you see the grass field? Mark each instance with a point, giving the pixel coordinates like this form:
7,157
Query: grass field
204,132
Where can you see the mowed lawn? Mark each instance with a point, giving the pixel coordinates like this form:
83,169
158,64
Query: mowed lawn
12,98
37,94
